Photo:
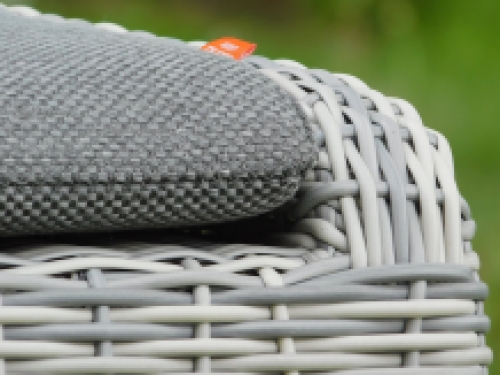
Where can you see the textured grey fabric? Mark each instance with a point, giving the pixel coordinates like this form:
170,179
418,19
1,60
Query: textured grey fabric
100,130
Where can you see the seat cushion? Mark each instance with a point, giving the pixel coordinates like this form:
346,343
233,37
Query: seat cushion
106,130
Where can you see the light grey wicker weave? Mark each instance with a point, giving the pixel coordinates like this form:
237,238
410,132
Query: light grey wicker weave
373,273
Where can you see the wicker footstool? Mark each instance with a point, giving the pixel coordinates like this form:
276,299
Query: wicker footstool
367,270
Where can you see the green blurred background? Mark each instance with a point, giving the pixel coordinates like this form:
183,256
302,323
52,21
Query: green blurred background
442,56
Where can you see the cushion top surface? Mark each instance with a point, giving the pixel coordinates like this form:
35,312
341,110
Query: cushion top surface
83,106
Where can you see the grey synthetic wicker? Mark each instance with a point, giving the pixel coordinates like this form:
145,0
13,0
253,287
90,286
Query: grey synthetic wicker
102,131
369,270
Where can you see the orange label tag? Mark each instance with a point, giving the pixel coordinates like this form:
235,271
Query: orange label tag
230,47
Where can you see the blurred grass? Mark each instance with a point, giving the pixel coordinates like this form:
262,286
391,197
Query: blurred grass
441,56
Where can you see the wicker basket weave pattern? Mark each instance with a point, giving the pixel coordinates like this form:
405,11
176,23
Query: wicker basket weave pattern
374,275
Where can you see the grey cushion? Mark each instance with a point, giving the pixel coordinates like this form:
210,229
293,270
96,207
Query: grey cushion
101,130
